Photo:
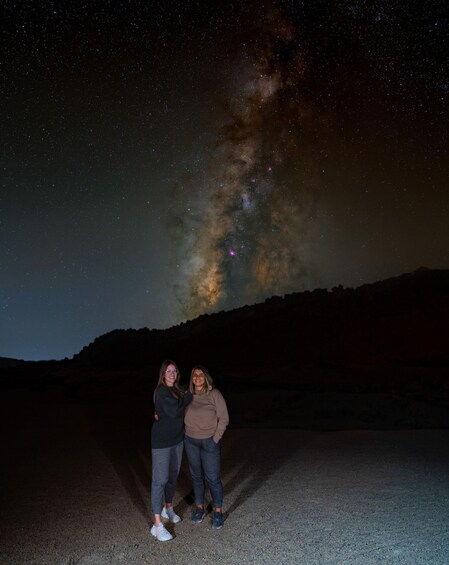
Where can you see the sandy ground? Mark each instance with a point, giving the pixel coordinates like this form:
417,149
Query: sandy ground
75,485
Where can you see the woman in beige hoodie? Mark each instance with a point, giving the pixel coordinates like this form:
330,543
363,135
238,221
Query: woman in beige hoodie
206,419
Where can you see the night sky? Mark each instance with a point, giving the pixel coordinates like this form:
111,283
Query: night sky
163,159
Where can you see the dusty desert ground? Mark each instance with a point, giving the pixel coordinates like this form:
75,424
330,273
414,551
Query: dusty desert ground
75,484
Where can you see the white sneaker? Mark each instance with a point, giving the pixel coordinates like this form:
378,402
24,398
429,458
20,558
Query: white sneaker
160,533
170,514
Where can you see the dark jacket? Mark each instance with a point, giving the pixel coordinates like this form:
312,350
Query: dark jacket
168,429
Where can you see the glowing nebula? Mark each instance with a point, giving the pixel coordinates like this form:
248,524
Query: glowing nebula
250,205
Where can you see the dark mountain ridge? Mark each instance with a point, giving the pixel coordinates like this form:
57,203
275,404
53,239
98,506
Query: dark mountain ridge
401,320
7,362
372,357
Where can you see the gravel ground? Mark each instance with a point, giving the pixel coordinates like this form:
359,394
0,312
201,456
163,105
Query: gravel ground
76,492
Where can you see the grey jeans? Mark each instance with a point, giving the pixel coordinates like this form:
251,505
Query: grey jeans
166,463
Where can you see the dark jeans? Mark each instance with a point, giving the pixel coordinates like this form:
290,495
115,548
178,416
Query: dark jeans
204,463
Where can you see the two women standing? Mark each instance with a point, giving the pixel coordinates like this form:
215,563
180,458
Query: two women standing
206,418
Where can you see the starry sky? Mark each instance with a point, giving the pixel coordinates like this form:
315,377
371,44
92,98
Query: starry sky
165,159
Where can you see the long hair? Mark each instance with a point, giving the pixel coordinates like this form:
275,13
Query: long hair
175,389
208,381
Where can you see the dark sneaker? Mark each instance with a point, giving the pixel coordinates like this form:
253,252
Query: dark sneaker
217,521
198,515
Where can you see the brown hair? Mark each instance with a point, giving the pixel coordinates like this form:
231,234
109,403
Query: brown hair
175,389
208,381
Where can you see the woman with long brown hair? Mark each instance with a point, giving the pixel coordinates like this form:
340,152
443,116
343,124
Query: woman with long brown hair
167,440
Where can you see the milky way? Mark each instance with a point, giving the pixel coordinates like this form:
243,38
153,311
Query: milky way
258,200
162,160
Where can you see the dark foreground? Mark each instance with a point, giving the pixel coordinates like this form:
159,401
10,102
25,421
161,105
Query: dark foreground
76,477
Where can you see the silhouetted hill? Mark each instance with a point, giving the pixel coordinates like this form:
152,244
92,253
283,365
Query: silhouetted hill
373,357
7,362
402,320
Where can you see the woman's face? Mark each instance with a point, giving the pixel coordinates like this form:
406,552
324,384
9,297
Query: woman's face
170,375
198,379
